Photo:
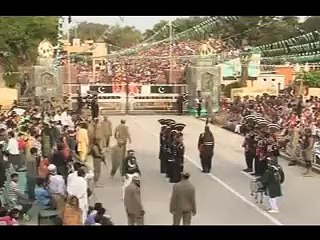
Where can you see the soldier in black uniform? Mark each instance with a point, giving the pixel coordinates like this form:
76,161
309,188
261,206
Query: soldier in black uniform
170,150
206,147
130,165
162,145
80,103
178,154
94,108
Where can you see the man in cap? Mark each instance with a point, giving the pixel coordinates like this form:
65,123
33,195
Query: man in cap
94,108
178,157
272,179
206,148
129,168
57,188
122,133
183,201
132,202
169,145
162,146
79,187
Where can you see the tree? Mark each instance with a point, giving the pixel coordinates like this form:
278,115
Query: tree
123,37
312,79
89,31
19,39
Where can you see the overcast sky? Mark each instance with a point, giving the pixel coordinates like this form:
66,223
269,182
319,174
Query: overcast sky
140,22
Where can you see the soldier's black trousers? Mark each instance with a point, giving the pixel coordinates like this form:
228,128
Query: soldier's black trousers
163,165
176,172
260,166
170,169
206,162
249,159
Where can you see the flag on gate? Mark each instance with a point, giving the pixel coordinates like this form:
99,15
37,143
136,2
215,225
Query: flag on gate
101,89
161,89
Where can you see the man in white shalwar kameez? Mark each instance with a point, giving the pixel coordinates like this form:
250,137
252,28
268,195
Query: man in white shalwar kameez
78,187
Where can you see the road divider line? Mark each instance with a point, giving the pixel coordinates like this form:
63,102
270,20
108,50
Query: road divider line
221,182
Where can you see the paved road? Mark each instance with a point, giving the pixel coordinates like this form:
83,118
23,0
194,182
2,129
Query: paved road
222,196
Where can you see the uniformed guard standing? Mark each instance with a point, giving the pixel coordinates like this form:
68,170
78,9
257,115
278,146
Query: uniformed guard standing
166,151
178,154
206,147
170,149
162,146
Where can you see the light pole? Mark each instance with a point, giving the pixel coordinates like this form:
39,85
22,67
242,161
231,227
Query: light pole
170,50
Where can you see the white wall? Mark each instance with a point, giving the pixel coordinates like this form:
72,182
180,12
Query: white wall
269,80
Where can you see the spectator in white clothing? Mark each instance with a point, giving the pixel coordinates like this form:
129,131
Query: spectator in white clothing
57,188
13,151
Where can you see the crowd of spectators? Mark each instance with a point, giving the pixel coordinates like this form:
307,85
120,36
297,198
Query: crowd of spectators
40,167
152,65
290,113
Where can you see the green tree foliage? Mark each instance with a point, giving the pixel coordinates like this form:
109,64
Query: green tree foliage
19,39
117,36
89,31
312,79
123,37
251,30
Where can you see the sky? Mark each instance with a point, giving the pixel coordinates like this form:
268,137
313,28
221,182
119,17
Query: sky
142,23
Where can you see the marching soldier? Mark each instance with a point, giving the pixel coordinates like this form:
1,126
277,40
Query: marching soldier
307,143
199,104
122,133
206,147
94,108
178,155
162,146
183,201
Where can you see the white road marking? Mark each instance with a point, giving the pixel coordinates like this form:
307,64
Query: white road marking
222,183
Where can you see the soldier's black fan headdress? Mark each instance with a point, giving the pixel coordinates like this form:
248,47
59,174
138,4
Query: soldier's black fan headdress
162,121
179,127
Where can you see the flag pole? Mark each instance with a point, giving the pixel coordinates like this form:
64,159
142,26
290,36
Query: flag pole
68,56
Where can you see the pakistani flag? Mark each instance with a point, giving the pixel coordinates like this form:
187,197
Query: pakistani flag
161,89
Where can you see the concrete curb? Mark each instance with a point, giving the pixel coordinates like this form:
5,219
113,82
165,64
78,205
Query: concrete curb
282,154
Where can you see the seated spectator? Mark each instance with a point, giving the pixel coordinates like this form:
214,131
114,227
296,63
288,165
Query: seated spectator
16,197
11,218
72,214
101,218
42,194
92,214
